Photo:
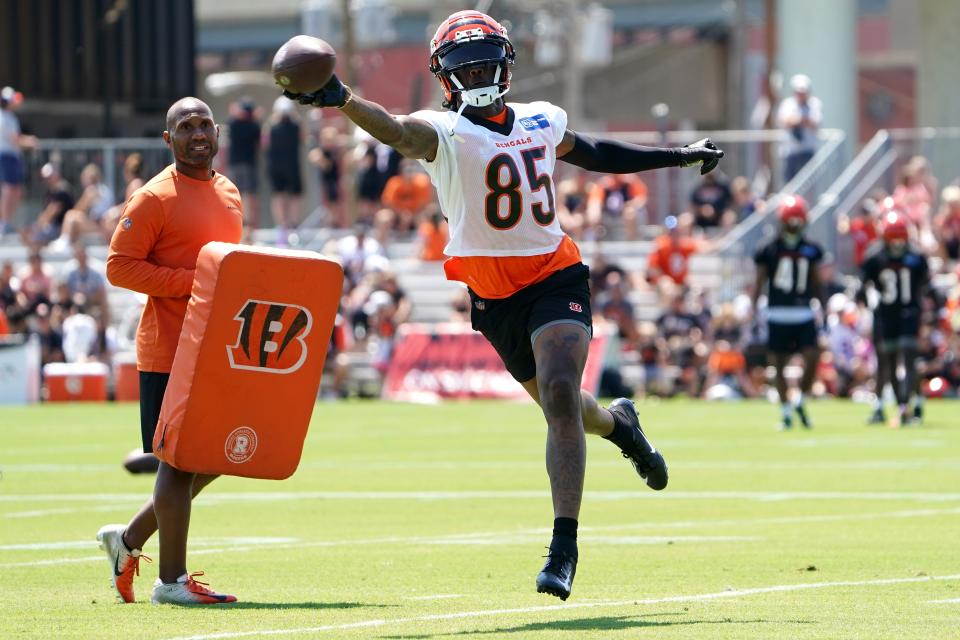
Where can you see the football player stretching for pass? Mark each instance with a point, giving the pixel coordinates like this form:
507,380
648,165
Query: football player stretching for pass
900,276
789,264
492,165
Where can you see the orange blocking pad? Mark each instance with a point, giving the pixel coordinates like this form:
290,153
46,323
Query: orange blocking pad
76,381
248,364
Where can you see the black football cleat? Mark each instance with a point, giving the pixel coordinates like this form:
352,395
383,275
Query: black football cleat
804,418
648,462
877,417
556,577
906,417
918,414
786,422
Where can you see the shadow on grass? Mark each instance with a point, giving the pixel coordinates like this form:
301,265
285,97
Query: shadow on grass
603,623
304,605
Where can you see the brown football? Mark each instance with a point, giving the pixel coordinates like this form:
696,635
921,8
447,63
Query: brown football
304,64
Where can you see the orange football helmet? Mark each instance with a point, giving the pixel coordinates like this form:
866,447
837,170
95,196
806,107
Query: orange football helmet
468,39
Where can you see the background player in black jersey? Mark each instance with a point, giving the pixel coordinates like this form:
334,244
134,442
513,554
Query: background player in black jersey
900,276
790,265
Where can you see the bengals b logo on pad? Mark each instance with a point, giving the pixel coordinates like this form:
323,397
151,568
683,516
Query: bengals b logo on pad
271,337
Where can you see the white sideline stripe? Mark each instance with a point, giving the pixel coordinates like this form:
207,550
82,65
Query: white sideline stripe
732,465
250,544
841,517
466,538
36,563
56,468
41,513
733,593
947,601
202,542
270,496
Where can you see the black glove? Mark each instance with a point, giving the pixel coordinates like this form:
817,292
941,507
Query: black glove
701,151
332,94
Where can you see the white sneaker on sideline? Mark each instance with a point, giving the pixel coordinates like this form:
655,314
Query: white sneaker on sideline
124,564
186,590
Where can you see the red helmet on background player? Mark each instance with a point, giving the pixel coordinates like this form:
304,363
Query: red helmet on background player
894,226
793,215
467,39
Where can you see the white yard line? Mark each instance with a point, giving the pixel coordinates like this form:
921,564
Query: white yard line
947,601
487,613
428,496
732,465
516,536
200,542
56,468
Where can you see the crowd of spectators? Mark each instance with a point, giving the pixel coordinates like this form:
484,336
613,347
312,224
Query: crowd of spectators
66,308
694,343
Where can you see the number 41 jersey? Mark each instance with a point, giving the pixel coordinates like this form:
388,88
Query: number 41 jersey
790,277
495,181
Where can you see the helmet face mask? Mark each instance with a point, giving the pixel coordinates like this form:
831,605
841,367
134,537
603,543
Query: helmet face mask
897,247
464,41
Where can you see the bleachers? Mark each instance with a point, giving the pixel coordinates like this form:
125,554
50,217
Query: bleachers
424,282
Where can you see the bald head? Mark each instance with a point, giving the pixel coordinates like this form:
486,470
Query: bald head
192,135
184,107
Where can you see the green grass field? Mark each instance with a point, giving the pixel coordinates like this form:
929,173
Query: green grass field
414,522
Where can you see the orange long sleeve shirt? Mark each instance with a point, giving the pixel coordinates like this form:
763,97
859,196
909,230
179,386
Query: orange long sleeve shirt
154,251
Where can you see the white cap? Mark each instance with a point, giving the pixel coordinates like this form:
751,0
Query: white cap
800,83
47,170
283,105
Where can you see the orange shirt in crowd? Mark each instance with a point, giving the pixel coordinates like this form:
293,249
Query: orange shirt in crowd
727,362
433,240
612,191
154,251
407,194
671,258
4,325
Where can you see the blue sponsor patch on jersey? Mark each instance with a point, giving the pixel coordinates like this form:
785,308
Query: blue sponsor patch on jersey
538,121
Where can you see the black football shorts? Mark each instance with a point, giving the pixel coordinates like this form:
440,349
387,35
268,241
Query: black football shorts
792,337
152,387
896,330
511,324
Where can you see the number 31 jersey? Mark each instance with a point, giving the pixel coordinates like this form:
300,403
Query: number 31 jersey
495,181
900,281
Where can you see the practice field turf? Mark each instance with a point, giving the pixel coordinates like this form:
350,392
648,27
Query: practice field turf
416,522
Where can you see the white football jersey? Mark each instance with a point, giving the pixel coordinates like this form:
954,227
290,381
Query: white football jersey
495,182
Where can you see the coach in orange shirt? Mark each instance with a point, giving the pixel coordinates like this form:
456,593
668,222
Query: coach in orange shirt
154,251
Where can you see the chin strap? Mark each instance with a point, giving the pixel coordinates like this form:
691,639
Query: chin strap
476,97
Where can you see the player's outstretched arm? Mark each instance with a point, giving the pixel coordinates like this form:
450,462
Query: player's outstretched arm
412,137
611,156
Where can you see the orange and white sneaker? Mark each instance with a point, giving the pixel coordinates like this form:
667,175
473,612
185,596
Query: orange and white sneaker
124,564
186,590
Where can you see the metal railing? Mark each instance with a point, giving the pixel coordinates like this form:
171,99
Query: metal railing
735,251
812,180
876,166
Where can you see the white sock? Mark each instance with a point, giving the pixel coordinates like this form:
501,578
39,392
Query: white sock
799,399
785,407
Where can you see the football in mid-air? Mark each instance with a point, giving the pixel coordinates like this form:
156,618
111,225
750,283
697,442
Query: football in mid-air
304,64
